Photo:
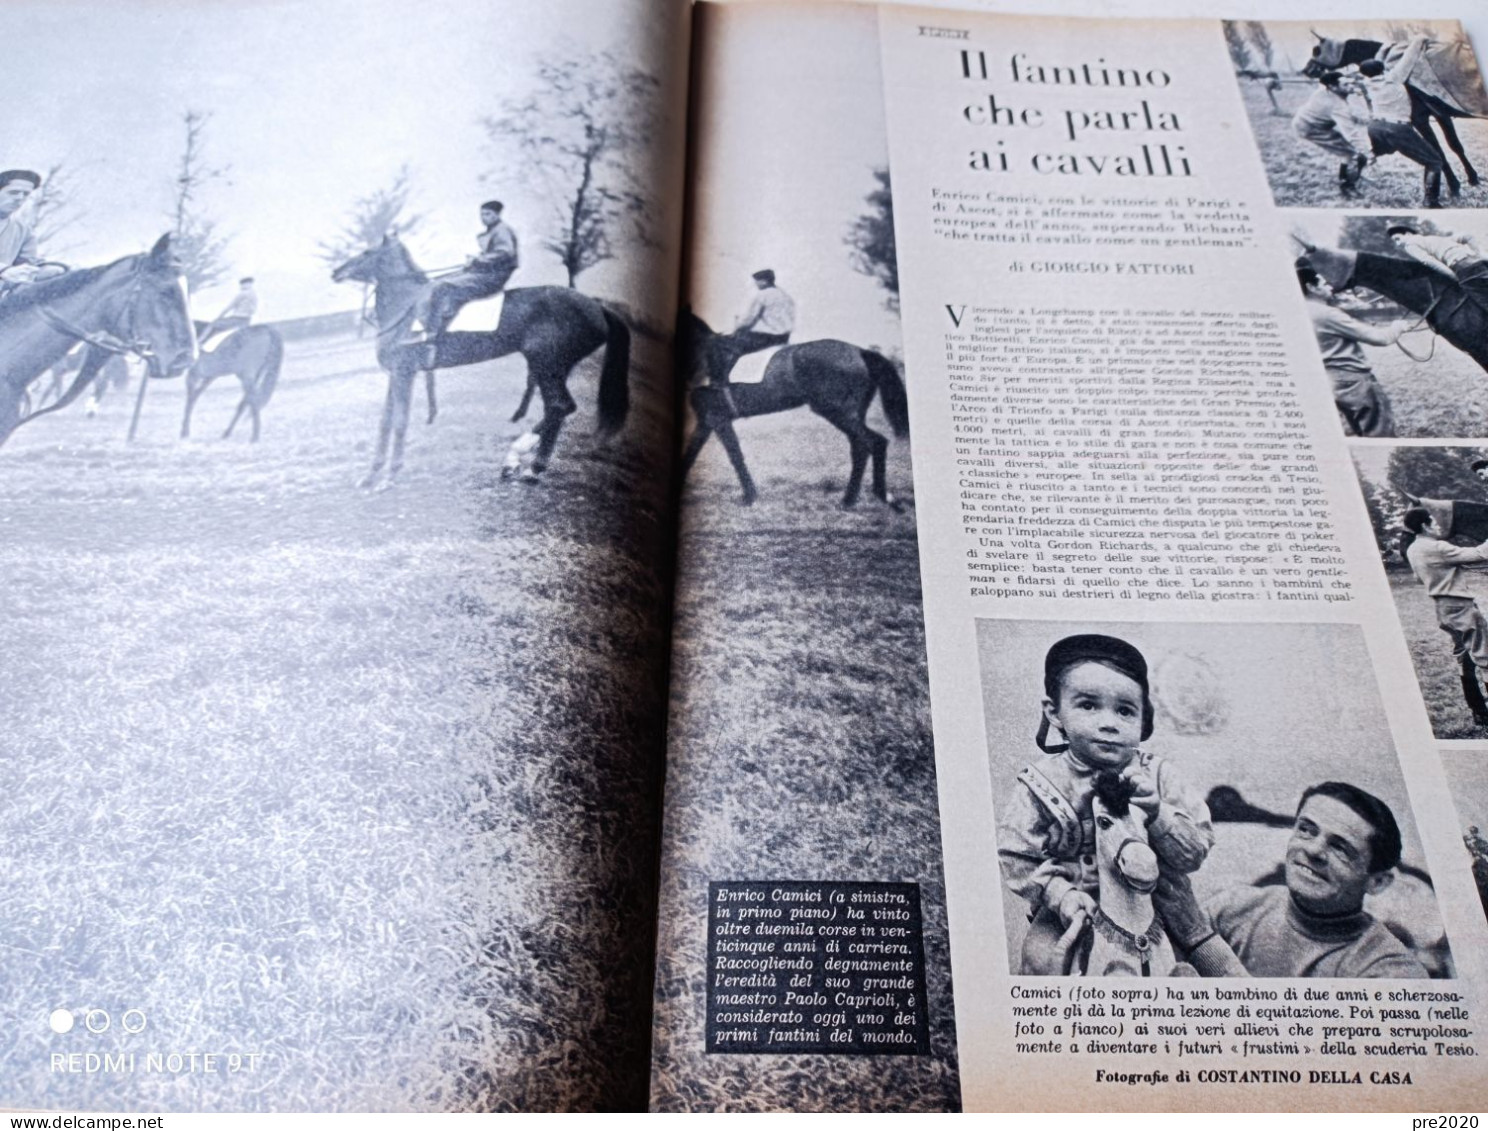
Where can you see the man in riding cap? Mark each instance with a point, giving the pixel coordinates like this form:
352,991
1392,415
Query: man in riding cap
1363,404
238,313
484,275
1455,257
1318,122
1390,129
767,321
19,262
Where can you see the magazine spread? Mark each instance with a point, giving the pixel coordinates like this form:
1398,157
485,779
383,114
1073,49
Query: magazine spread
1014,645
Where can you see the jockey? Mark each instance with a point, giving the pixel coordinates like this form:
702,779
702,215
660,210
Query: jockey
237,314
767,321
1454,256
19,262
1389,124
484,275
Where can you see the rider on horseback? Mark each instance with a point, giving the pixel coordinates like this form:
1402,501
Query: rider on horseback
767,321
484,274
237,314
1389,123
19,262
1454,256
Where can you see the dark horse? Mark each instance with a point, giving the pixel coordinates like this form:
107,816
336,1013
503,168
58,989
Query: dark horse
554,328
136,305
1333,55
254,356
1441,302
833,379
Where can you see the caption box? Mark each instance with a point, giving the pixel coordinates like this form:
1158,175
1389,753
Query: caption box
822,967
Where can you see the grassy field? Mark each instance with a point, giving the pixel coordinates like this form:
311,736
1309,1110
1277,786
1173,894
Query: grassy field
358,782
1445,396
1437,672
1304,176
800,747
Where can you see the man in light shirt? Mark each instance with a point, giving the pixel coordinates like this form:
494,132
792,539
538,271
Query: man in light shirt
1319,121
19,262
238,313
1363,404
1438,565
1390,129
767,321
1452,256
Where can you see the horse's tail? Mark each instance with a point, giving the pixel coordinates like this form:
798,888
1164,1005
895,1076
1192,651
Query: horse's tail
614,379
268,371
891,388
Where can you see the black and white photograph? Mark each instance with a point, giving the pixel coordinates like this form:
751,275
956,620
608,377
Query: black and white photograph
799,744
335,449
1365,114
1399,306
1428,508
1467,778
1213,800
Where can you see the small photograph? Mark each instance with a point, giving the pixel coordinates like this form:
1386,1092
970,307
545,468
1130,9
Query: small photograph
1399,305
1364,114
1429,511
1467,778
1213,800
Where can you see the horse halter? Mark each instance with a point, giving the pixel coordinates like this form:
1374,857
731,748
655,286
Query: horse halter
112,343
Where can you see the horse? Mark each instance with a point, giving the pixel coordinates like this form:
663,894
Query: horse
254,355
1126,936
135,305
1441,302
835,379
1333,55
553,328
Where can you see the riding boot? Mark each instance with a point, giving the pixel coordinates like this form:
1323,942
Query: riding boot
1433,180
1472,691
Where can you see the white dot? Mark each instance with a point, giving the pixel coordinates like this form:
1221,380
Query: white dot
61,1020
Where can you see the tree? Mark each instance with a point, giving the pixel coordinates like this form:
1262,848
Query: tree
55,208
201,248
576,134
1260,38
1239,49
871,239
378,214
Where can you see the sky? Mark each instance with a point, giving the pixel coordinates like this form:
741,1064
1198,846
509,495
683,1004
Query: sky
790,127
313,104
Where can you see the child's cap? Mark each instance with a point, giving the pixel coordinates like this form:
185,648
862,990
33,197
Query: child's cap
1092,647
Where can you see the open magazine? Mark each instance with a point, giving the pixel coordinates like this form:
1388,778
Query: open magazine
741,557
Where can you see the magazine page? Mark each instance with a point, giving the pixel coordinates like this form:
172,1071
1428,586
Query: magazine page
1206,714
802,888
334,624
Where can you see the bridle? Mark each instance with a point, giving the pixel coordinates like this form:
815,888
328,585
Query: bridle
129,342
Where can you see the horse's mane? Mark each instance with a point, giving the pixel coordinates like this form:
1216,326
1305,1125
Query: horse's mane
63,286
1115,792
406,257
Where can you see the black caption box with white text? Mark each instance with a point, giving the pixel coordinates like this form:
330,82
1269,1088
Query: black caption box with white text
823,967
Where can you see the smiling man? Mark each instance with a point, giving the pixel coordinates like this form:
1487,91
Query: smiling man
1345,845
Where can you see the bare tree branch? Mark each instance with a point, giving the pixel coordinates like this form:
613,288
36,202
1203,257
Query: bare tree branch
871,239
578,133
380,213
200,245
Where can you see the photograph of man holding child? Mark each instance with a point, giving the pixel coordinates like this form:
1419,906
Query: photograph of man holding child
1261,824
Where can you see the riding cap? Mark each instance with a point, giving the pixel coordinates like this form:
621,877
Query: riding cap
1094,648
492,206
765,275
20,175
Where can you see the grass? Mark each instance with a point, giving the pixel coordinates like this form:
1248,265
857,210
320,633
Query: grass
799,748
360,782
1445,396
1304,176
1437,672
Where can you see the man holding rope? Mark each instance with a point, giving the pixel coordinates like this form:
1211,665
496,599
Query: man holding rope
1362,403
